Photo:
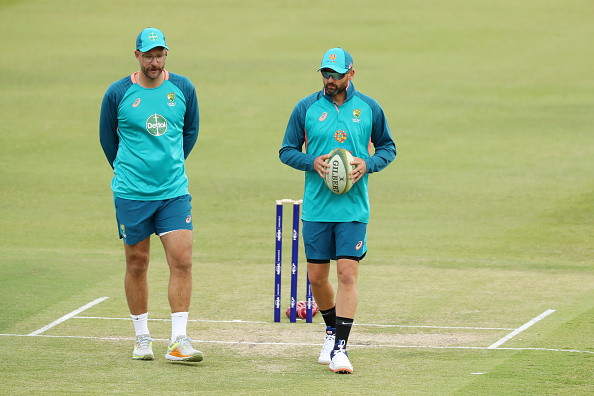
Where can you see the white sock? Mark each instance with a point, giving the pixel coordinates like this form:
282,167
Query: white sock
140,324
179,322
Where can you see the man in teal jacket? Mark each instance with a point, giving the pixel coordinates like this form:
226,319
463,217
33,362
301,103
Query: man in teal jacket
335,226
148,126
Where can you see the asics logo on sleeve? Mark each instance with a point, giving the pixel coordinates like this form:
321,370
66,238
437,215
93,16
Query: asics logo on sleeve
136,102
323,116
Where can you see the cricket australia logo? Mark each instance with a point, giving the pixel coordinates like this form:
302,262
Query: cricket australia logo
171,97
356,114
156,125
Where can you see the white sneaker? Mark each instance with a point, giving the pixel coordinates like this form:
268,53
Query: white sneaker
340,362
182,350
143,348
328,346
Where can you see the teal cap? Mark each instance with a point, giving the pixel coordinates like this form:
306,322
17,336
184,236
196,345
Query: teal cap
338,60
150,38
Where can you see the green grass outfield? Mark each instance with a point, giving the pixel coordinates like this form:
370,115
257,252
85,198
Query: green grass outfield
483,224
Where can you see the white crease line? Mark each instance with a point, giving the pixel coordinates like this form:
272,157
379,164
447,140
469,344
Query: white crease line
522,328
169,320
354,324
68,316
309,344
433,327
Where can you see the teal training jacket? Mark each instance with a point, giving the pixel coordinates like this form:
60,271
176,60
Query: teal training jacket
316,127
147,134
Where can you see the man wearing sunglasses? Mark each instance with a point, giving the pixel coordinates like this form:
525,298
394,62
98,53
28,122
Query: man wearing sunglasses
335,226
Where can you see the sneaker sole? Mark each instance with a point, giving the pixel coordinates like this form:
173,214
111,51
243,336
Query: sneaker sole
194,358
324,362
145,357
342,370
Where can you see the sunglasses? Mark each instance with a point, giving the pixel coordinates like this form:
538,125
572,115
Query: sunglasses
336,76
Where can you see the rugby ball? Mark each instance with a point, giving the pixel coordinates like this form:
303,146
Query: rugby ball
339,180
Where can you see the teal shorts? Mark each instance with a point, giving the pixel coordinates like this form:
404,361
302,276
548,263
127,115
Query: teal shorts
332,241
137,220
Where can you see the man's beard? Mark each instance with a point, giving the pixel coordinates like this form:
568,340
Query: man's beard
146,72
333,91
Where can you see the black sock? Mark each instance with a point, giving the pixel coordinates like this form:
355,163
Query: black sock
343,329
329,316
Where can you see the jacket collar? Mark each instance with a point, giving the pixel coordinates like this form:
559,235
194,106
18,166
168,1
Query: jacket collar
350,92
